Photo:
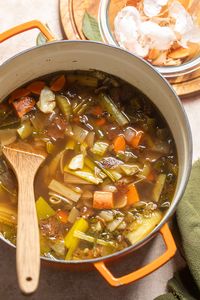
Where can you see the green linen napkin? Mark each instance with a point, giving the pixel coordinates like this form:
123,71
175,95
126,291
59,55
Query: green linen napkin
188,220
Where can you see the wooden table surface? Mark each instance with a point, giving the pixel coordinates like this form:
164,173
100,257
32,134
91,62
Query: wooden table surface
63,284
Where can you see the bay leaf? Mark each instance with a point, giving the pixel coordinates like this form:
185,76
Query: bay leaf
90,27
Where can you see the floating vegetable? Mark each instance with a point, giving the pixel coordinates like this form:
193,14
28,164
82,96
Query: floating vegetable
46,101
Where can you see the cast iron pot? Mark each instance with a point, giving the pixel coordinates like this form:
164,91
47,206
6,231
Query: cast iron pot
83,55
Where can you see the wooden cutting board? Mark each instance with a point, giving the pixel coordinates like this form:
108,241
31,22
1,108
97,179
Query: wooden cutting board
72,12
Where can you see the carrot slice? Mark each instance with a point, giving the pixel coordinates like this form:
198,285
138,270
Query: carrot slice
100,122
62,216
179,53
119,143
23,105
21,92
36,87
103,200
136,139
96,110
132,2
58,84
132,195
153,54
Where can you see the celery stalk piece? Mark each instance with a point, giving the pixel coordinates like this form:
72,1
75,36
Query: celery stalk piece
85,174
53,165
99,148
73,179
71,242
90,164
25,130
144,227
159,187
64,105
81,235
129,169
112,174
90,138
111,107
79,133
77,162
63,190
43,209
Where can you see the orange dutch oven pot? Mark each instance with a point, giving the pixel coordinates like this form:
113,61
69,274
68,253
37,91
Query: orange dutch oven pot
71,55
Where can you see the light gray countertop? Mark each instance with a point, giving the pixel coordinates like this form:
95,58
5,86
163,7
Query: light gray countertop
65,284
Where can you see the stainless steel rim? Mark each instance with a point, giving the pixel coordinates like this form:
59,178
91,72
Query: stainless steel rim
173,206
168,72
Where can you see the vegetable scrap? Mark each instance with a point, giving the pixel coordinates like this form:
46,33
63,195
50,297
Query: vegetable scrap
165,32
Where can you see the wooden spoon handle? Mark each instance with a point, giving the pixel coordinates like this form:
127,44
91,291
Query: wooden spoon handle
28,242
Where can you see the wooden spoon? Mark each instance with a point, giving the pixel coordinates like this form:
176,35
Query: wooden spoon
25,164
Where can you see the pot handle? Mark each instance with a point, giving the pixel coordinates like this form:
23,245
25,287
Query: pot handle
24,27
146,270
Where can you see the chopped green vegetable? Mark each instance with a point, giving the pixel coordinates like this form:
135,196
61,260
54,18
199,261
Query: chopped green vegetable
61,189
143,227
90,164
85,174
79,133
73,179
129,169
64,105
159,187
99,148
112,174
43,209
77,162
53,165
71,242
25,130
81,235
112,109
112,226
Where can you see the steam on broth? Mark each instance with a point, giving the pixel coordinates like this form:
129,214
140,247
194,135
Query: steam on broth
111,168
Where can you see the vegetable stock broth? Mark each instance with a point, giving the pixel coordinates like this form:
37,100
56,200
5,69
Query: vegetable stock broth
111,168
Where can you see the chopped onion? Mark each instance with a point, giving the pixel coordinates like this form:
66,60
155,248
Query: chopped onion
47,101
107,215
109,188
77,162
112,226
129,134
